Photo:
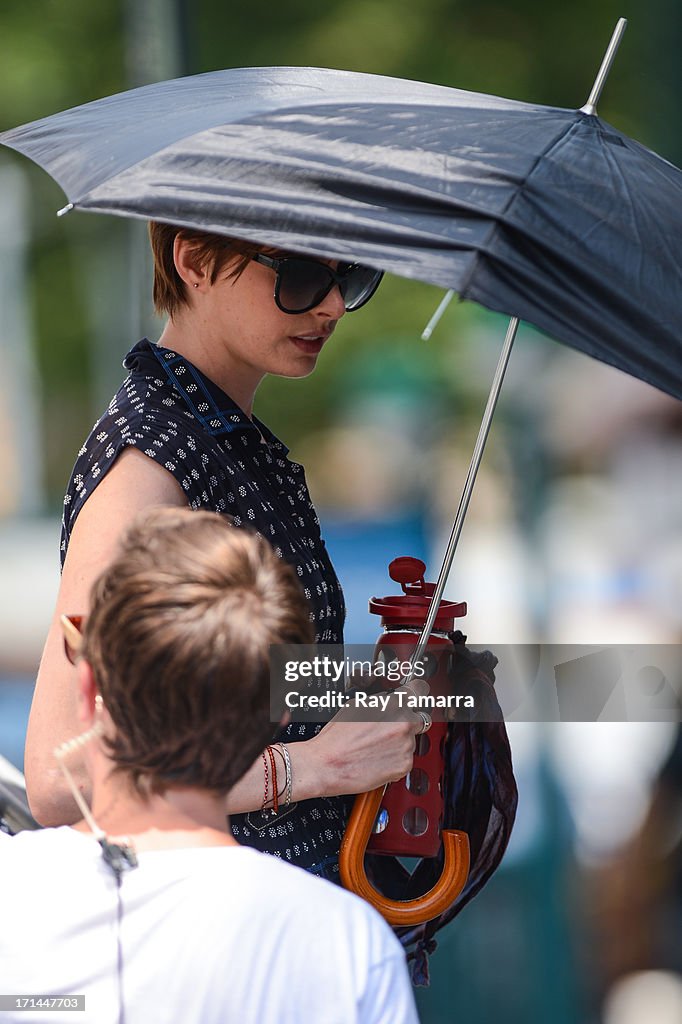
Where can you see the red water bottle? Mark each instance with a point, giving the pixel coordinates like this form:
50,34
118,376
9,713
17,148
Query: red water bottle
411,814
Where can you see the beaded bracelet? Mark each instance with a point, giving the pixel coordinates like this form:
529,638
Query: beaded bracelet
289,775
266,784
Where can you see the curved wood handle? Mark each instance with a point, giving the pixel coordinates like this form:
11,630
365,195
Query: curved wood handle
400,912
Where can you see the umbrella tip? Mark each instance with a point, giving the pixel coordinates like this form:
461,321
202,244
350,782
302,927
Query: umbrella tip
609,57
65,209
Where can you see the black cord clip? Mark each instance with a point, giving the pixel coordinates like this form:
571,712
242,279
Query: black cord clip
120,858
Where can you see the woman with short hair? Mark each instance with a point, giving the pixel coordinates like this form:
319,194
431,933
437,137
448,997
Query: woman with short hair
181,431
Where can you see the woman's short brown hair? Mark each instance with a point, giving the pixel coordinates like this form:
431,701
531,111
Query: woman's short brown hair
178,638
211,252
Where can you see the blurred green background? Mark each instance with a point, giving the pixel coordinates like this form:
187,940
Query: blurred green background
58,53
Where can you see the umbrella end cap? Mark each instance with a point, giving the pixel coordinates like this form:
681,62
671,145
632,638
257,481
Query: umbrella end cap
65,209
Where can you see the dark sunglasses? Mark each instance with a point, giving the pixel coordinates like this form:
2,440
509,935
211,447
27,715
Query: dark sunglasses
301,284
72,626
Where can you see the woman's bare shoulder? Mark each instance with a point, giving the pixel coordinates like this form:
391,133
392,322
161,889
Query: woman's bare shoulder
134,482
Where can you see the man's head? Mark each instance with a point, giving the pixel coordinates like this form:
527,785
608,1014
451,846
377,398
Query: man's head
178,639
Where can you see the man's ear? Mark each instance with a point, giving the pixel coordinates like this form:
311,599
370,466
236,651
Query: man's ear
87,691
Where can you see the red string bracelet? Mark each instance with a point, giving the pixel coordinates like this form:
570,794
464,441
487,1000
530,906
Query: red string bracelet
273,766
276,748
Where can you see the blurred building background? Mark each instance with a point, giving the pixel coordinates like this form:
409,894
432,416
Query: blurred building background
573,534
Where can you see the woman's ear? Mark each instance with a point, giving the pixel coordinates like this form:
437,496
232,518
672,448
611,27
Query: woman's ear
184,257
87,691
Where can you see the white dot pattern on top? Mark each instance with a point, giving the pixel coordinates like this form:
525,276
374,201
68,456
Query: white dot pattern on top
169,410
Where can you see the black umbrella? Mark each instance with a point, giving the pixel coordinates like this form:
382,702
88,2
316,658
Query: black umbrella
549,215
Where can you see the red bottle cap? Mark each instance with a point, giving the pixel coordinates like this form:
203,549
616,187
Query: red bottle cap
412,607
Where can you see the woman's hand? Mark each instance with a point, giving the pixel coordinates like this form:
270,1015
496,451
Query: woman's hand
351,756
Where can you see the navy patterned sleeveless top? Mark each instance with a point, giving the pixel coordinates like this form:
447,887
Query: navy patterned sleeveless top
174,414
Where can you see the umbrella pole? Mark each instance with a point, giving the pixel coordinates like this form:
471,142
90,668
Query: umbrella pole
467,491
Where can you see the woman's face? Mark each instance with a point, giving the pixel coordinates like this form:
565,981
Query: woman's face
253,332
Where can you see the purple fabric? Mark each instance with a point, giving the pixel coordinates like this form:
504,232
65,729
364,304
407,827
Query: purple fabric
480,799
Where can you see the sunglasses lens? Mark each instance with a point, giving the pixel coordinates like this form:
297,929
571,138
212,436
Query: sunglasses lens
359,285
303,285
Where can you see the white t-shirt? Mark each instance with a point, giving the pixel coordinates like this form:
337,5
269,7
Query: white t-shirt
218,934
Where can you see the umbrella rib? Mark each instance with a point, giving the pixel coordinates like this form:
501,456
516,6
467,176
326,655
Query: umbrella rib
484,247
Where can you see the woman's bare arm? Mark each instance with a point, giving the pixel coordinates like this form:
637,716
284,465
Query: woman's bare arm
346,757
134,482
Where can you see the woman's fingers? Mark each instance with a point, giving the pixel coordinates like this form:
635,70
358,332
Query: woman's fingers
356,756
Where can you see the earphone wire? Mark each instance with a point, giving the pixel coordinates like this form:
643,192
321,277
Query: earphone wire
118,857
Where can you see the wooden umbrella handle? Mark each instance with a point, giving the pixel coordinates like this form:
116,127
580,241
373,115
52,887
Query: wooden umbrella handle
400,912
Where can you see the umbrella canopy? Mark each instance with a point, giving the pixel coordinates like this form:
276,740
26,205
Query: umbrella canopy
546,214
